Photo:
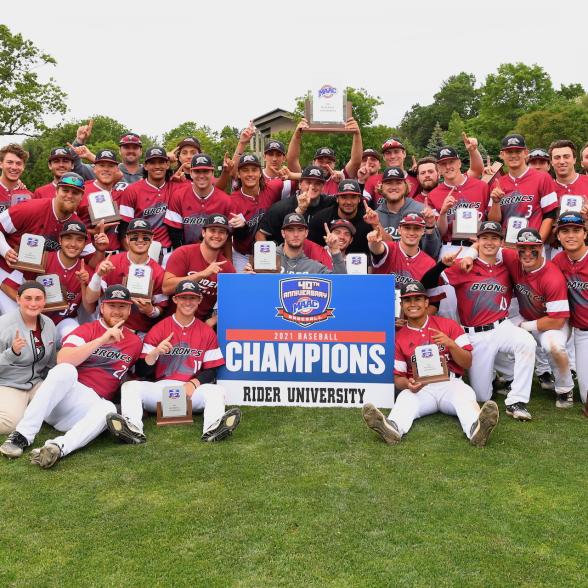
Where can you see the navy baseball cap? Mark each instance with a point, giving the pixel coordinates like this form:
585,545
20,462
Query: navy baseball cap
201,161
117,293
74,228
490,227
216,220
130,139
72,180
446,153
294,220
156,153
392,173
349,187
513,142
248,159
188,288
139,225
313,172
529,237
325,152
569,219
61,153
371,153
275,146
413,288
539,154
107,155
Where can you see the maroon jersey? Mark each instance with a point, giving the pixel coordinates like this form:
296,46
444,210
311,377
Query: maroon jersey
9,198
541,292
471,193
137,321
90,187
576,275
188,260
371,184
579,187
483,295
105,368
253,210
188,211
45,191
529,196
404,267
67,278
195,348
407,338
143,200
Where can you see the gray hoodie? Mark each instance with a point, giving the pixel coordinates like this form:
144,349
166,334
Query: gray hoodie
27,369
305,265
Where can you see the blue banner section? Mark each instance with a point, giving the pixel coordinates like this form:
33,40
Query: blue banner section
307,328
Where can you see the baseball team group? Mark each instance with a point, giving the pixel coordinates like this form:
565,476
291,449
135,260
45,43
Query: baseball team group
490,265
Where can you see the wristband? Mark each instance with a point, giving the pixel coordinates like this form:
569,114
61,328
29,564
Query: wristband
529,326
95,283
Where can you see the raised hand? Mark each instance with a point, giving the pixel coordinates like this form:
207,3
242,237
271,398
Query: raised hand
497,194
336,176
303,201
449,202
113,334
441,338
237,220
471,143
351,125
144,305
414,165
105,266
429,216
18,343
301,126
101,241
214,268
371,217
82,274
247,133
228,163
331,240
449,258
84,131
374,237
362,174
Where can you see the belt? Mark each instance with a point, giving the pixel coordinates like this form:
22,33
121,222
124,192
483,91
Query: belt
483,328
463,242
581,329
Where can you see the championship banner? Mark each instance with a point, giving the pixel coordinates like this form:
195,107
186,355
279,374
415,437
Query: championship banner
307,340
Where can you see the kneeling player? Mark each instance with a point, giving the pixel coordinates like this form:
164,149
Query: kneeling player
75,396
416,400
183,351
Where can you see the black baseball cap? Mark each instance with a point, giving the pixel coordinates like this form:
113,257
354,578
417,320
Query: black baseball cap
392,173
349,187
107,155
371,153
413,288
139,225
513,142
529,237
569,219
72,180
117,293
201,161
248,159
313,172
74,228
274,145
216,220
446,153
156,153
130,139
188,288
539,154
189,142
325,152
294,220
490,227
61,153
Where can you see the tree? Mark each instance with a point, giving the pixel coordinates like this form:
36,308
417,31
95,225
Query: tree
436,141
24,99
571,92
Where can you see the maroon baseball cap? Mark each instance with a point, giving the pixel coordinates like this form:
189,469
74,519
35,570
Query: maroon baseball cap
130,139
341,223
392,143
413,219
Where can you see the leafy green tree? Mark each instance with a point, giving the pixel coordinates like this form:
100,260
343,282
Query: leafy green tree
436,141
24,99
571,92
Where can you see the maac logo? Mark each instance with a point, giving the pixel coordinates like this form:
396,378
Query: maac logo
327,91
99,198
32,242
305,301
46,281
139,272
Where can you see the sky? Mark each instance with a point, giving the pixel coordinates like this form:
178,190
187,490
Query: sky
153,65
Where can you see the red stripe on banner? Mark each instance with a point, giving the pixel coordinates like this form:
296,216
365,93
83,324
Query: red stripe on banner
306,336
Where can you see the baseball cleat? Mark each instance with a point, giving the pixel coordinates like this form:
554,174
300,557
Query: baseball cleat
377,422
500,386
124,430
14,445
565,400
518,411
46,456
546,381
227,424
483,427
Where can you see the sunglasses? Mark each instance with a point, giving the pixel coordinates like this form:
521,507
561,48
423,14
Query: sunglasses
145,238
75,182
571,219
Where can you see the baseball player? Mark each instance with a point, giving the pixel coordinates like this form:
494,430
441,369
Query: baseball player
184,152
371,162
539,159
542,295
573,263
201,263
249,204
584,158
524,193
76,395
73,274
325,158
484,291
179,351
60,162
189,206
567,180
115,268
344,231
13,159
453,397
428,178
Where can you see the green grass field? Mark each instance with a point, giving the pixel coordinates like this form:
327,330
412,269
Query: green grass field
306,497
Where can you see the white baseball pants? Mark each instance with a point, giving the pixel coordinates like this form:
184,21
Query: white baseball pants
68,406
136,395
453,397
581,345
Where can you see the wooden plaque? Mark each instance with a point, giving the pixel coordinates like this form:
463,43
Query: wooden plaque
430,379
316,127
30,267
186,419
147,296
496,167
267,271
471,235
107,219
